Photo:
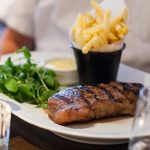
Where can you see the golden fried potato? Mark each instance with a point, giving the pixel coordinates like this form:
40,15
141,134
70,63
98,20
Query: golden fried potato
95,31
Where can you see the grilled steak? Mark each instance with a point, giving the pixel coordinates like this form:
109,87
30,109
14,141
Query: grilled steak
84,103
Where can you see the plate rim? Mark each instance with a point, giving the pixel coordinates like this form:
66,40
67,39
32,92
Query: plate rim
67,132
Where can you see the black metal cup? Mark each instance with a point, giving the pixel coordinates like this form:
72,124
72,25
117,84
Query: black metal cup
97,67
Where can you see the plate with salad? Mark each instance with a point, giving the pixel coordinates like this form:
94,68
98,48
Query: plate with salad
26,85
27,80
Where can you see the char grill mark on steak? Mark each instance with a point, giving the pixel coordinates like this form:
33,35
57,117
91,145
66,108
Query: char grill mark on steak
72,94
120,89
72,97
61,97
105,89
83,103
89,90
116,94
98,93
130,91
86,95
128,87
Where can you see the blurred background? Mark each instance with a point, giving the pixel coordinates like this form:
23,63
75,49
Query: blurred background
3,10
51,21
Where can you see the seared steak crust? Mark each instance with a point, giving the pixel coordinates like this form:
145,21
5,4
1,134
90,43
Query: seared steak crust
84,103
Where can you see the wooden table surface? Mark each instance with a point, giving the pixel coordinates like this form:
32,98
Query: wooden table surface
25,136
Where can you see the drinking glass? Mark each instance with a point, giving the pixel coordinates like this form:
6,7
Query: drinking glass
5,116
140,135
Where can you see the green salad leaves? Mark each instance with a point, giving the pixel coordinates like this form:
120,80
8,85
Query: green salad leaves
27,82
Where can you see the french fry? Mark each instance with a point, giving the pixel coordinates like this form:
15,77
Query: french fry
106,21
93,32
125,28
117,20
89,19
121,35
112,37
102,42
118,28
78,20
77,34
104,38
82,39
99,11
98,18
122,30
96,42
97,7
125,31
87,47
119,31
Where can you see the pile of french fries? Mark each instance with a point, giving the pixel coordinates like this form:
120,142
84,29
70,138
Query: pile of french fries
92,32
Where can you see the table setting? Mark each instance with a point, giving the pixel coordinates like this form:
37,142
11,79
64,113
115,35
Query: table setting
85,99
111,131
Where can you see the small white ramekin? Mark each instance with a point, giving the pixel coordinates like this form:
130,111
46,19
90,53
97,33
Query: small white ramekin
64,76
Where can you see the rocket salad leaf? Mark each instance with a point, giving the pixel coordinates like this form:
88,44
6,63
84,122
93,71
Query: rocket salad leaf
27,82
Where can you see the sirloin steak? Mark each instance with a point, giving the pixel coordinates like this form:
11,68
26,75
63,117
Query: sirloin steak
89,102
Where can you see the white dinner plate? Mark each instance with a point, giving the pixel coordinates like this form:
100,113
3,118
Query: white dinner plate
104,131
